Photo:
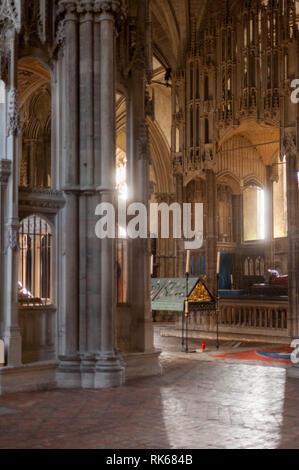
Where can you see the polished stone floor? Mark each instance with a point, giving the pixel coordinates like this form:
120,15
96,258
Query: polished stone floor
196,403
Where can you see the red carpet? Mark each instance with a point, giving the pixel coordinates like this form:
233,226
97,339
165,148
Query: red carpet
268,355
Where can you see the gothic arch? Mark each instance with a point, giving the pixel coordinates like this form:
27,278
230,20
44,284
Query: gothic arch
160,151
238,157
230,179
32,74
256,134
160,158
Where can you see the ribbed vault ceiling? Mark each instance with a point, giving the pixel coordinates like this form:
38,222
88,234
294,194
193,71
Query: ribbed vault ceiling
171,27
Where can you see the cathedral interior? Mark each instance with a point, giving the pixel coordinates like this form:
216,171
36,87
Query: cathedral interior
153,101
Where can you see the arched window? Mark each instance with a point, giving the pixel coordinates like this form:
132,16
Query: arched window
35,262
253,213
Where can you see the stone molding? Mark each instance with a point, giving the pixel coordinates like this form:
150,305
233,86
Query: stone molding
12,235
10,13
289,143
41,200
13,124
117,8
77,10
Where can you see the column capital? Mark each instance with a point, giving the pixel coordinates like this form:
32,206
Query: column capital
117,8
67,6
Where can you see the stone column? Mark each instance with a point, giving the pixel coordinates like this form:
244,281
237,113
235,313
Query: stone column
237,238
12,336
69,368
90,358
269,225
109,370
180,266
141,358
211,230
5,172
290,150
138,170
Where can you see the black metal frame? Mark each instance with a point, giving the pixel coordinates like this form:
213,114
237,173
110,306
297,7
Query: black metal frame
202,308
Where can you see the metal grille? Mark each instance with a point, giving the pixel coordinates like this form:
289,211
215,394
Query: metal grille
35,255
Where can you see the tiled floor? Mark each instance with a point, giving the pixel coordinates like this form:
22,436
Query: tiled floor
194,404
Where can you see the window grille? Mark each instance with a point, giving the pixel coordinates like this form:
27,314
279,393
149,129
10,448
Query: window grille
35,262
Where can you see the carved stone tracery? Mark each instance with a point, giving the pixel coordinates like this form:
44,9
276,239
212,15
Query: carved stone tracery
13,124
10,13
289,146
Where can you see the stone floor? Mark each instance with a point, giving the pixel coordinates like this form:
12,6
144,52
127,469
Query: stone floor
196,403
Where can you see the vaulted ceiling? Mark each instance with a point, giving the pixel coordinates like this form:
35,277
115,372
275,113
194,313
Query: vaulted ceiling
171,21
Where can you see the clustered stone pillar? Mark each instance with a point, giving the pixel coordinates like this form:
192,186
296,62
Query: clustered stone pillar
293,232
108,368
141,357
237,201
5,172
290,150
269,226
89,358
138,182
180,265
211,230
11,330
69,370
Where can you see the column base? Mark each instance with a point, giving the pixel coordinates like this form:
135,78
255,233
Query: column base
13,346
27,378
142,364
110,371
68,373
92,371
88,366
